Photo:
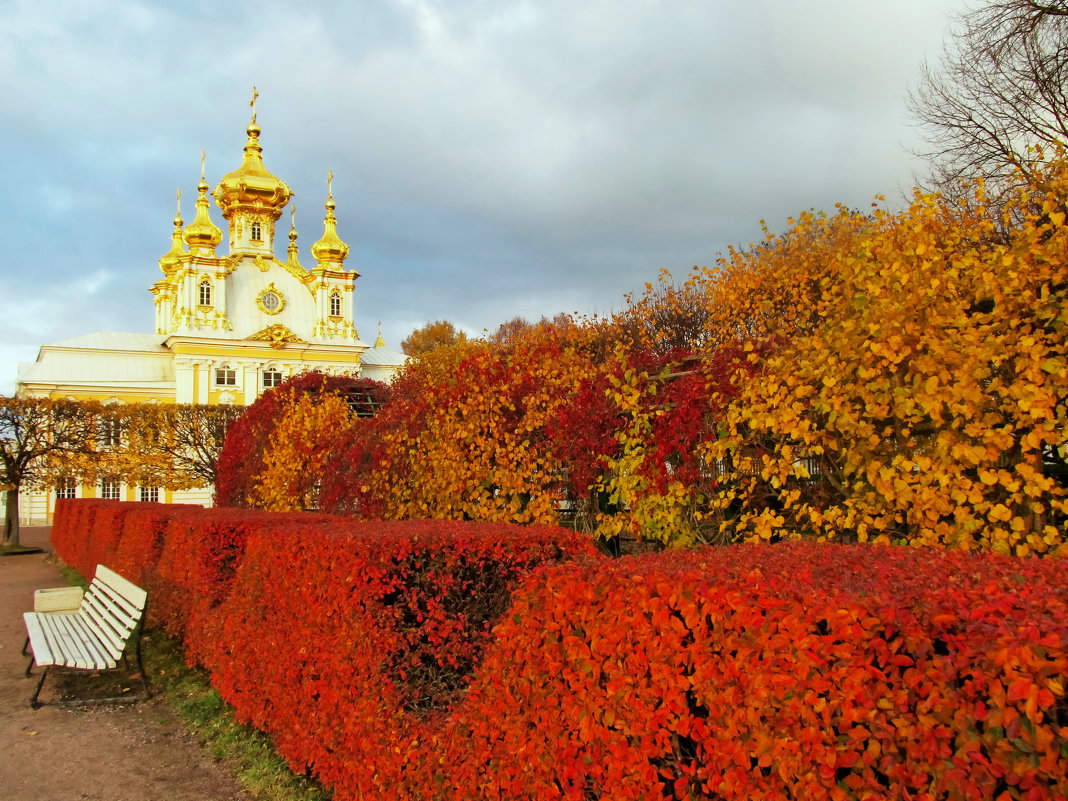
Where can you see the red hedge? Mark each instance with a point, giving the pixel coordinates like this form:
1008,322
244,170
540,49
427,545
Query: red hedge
792,671
748,672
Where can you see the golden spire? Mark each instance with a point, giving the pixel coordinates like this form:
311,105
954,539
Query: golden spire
170,261
250,188
330,248
380,343
202,232
294,258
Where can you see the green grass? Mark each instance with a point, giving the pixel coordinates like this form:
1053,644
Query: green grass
249,753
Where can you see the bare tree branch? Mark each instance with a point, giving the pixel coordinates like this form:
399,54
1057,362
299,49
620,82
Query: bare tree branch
999,93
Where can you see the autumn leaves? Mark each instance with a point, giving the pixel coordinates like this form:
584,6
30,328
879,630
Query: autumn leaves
891,377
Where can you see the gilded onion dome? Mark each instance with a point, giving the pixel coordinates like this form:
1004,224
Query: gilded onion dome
202,232
173,257
250,187
330,248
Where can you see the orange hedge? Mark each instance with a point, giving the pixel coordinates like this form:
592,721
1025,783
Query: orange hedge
799,670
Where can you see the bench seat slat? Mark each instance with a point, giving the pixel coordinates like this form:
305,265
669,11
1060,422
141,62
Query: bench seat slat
93,642
85,648
69,652
57,640
39,641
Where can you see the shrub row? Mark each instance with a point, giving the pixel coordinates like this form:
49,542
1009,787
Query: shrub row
798,670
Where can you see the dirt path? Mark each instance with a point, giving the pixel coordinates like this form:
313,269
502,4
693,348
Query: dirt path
137,752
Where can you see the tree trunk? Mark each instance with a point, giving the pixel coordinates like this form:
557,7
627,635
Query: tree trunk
11,518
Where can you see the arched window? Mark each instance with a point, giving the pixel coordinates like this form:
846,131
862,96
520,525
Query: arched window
335,304
257,232
205,292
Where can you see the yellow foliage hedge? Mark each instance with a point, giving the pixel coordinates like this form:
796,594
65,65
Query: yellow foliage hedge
890,376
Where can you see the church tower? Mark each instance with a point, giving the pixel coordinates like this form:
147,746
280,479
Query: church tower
249,294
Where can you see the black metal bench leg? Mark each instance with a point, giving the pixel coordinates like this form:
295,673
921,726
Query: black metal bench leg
141,666
26,646
34,703
29,667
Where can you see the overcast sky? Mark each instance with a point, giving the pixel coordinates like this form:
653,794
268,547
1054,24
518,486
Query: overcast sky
491,158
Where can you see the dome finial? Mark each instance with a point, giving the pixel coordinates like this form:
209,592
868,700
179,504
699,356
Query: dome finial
380,343
294,258
252,103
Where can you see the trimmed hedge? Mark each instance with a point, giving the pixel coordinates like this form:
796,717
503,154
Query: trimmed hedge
773,672
750,672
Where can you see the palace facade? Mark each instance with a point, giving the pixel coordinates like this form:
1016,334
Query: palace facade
228,326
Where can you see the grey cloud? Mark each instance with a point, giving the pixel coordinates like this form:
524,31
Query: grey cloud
490,159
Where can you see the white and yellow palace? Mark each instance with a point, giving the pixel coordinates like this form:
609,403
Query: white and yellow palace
227,326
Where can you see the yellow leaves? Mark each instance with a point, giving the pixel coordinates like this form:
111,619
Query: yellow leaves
1000,512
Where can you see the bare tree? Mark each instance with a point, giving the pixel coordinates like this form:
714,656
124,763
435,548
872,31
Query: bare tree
174,445
999,93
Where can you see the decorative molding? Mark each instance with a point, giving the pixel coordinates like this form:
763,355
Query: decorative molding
277,336
335,328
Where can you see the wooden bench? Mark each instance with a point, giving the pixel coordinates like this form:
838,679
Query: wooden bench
93,637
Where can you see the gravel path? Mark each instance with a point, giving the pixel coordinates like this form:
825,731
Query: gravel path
132,752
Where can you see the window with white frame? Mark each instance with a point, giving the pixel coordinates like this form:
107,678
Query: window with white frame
205,292
66,488
335,304
225,376
148,494
257,231
271,378
110,489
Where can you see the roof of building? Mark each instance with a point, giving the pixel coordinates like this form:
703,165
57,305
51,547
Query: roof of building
102,358
382,356
113,340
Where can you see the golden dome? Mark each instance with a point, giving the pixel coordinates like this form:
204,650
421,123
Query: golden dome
202,232
250,187
172,258
330,248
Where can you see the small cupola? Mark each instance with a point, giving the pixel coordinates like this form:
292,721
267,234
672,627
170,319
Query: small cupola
330,249
172,259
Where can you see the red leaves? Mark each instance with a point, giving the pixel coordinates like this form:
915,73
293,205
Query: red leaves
789,671
242,459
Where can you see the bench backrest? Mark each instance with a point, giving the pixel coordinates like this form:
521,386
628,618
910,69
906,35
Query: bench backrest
115,604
